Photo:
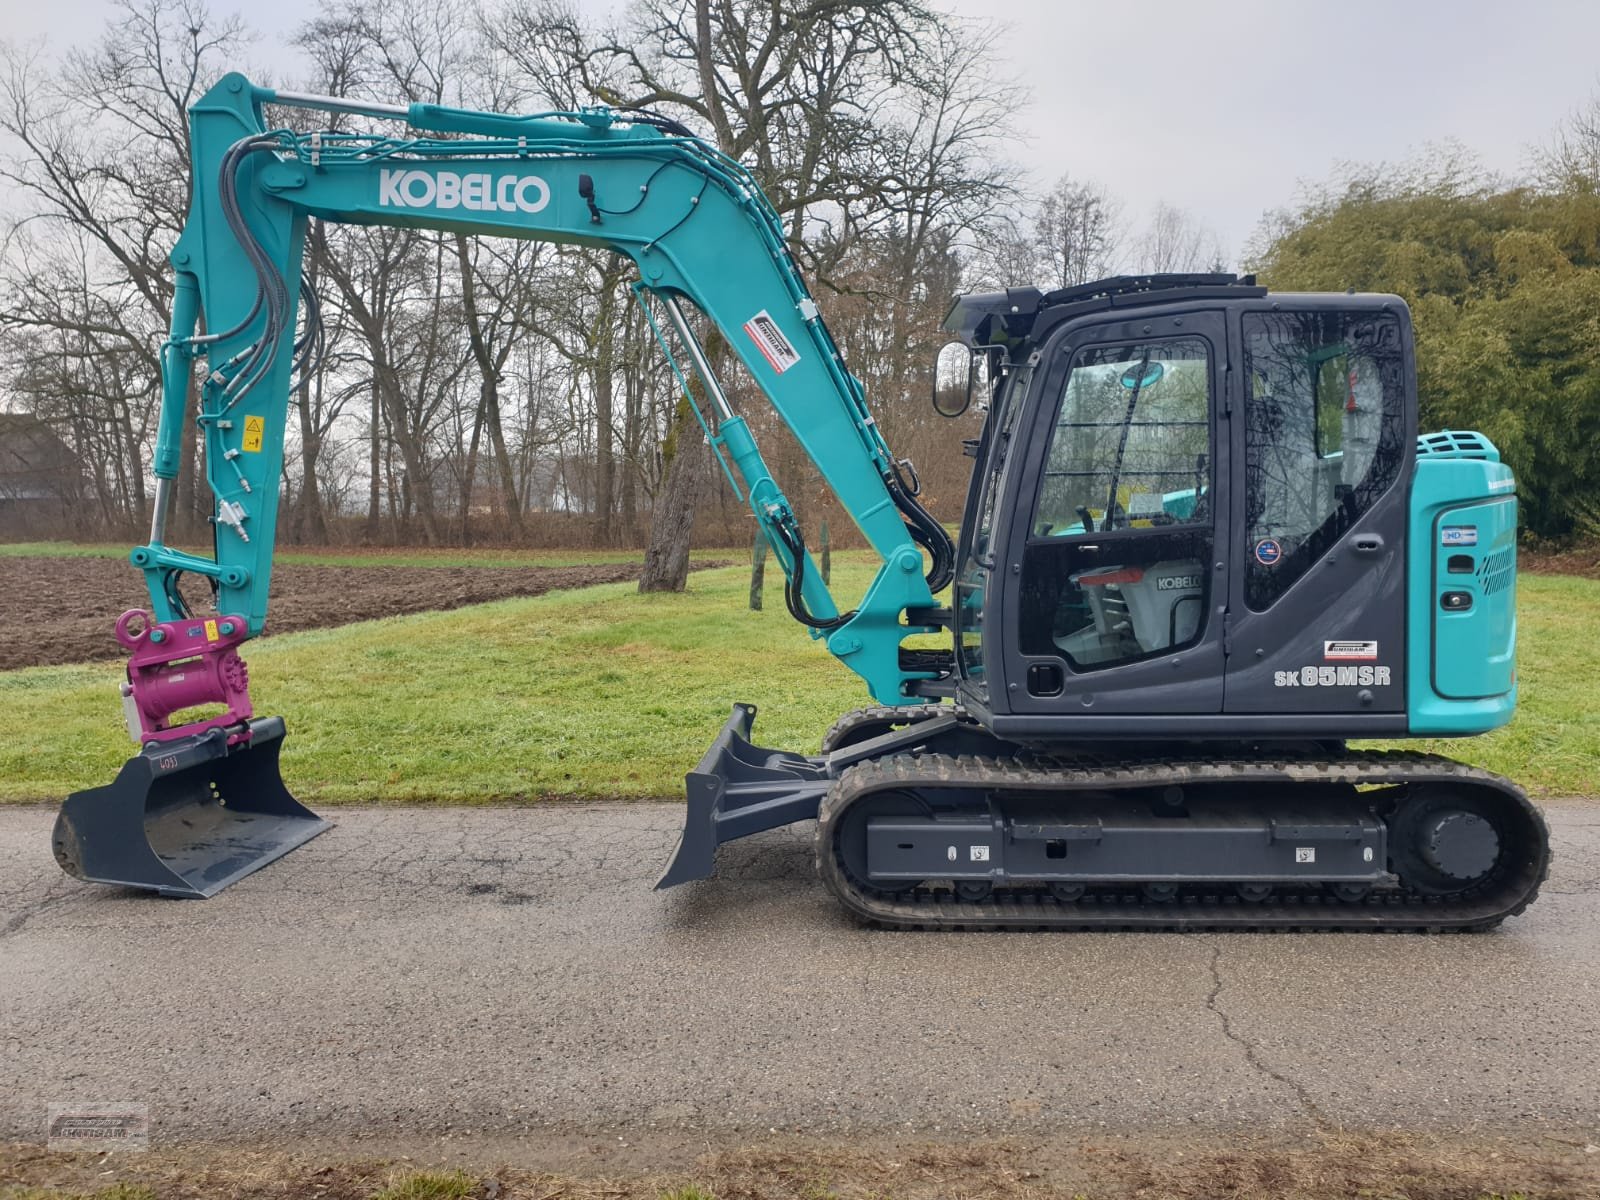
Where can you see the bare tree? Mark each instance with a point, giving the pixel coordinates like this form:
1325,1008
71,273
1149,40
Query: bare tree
395,284
102,157
849,114
320,401
1570,159
497,306
1077,232
940,148
1175,242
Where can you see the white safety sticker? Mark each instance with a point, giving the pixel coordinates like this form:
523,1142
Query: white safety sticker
1146,504
775,348
1305,854
980,854
1350,651
1458,535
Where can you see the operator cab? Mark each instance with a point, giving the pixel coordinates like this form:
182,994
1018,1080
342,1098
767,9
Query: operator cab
1187,491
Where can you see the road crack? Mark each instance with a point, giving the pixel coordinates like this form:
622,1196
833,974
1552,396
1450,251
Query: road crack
1249,1049
27,912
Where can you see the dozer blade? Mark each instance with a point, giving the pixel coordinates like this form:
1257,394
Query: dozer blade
738,789
187,817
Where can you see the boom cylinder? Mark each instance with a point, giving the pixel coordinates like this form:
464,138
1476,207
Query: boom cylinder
175,373
697,353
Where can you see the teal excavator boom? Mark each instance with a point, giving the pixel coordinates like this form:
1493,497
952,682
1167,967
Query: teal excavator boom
701,234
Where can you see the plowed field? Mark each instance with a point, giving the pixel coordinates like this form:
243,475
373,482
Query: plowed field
59,609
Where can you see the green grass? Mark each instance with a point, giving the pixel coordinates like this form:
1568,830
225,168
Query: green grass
607,693
1553,745
430,1185
61,550
411,556
593,693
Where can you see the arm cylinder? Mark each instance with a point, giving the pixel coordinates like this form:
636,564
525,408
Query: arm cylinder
697,353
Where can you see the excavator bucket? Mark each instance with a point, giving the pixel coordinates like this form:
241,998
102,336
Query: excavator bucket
187,817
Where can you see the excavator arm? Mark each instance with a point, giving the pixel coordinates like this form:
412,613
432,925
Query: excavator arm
694,222
244,326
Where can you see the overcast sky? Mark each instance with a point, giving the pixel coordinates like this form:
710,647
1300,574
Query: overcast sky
1221,108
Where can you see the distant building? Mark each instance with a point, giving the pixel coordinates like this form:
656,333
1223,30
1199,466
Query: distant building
41,480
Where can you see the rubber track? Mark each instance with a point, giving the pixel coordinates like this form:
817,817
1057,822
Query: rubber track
1201,907
889,716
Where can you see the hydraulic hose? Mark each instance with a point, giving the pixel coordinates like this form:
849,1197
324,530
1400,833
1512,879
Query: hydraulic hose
793,598
272,290
926,532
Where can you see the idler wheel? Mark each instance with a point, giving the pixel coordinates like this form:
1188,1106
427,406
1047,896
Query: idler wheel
852,841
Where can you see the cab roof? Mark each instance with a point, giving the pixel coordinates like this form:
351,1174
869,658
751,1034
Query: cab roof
1007,318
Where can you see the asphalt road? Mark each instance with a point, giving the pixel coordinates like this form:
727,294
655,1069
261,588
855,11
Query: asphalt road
497,971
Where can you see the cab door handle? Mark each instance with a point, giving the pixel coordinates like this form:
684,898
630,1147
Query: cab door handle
1368,543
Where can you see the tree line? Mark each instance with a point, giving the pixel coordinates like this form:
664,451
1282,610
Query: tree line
509,390
1503,282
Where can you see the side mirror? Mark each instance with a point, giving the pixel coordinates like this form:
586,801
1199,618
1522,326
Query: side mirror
954,373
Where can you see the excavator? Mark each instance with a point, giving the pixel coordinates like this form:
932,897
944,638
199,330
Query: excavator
1204,548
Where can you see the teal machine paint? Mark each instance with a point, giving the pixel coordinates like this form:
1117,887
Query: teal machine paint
691,219
1462,618
1202,550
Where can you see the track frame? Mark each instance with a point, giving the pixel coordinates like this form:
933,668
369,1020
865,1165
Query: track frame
1205,906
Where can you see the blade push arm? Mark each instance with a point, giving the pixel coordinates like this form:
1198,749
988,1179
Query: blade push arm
693,221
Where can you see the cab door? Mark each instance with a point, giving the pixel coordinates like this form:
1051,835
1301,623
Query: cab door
1119,523
1324,438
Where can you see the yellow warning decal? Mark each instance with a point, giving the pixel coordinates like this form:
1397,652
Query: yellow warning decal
211,631
254,429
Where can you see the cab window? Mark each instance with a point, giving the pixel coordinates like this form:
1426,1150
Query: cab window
1130,448
1324,436
1115,568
